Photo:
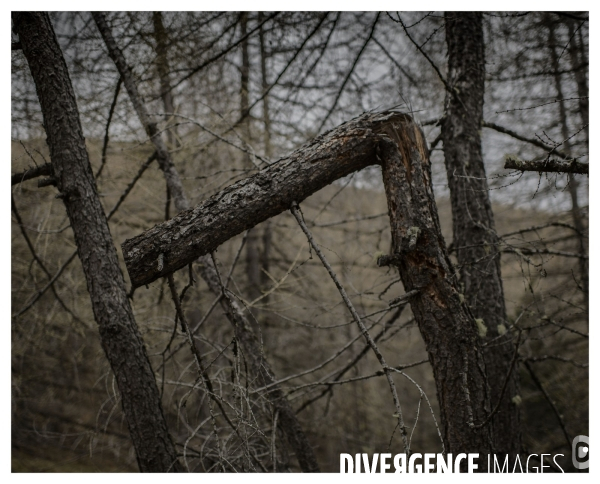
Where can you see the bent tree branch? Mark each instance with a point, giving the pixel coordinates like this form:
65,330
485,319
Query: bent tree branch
200,230
393,140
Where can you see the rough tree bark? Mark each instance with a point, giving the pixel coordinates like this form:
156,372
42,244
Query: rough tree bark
474,235
395,141
200,230
262,375
119,334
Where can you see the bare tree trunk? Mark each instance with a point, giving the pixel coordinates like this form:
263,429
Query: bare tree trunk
474,235
579,62
267,229
419,252
162,66
446,325
260,368
572,181
253,269
119,334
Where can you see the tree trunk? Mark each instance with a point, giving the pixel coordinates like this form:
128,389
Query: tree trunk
579,62
251,346
572,181
267,236
474,235
446,325
162,66
253,239
119,334
393,139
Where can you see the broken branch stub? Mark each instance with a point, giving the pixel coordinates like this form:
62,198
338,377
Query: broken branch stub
172,245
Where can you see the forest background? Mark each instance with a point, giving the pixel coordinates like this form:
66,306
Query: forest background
231,93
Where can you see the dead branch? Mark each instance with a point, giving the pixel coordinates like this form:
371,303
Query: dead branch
547,166
515,135
42,170
198,231
418,249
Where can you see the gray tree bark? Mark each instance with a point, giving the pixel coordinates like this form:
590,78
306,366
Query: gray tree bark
396,142
259,367
474,234
119,334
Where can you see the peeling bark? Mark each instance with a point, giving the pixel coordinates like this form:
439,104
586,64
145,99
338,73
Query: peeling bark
119,333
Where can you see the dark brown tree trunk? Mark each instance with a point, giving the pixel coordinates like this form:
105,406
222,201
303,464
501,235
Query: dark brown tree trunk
245,336
119,334
200,230
474,235
419,252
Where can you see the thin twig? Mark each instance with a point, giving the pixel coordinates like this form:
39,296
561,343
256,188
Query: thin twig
437,71
108,121
350,71
295,211
72,256
538,383
537,359
506,380
37,258
223,52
